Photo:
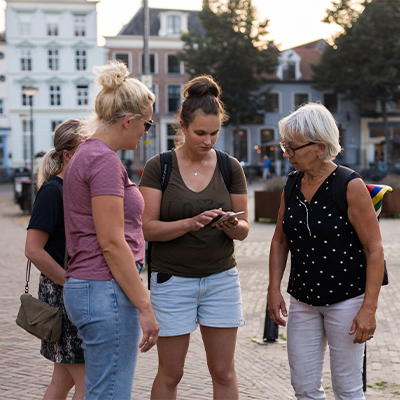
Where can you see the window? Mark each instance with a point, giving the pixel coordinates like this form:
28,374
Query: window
82,95
53,59
289,70
240,145
25,28
1,55
26,60
2,78
152,63
1,107
173,98
26,100
300,99
390,106
55,95
52,29
267,135
331,102
174,25
80,60
80,25
54,124
124,57
272,102
173,64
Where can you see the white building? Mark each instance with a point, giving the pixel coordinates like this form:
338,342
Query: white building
4,121
52,45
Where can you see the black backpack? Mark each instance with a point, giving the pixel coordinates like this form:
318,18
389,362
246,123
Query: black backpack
166,165
340,182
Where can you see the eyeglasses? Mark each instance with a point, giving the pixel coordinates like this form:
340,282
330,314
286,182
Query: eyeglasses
290,150
147,124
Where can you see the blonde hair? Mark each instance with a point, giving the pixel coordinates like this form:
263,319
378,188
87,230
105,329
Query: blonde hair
118,97
312,122
200,93
66,137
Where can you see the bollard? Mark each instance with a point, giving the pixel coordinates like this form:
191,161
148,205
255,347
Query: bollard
271,328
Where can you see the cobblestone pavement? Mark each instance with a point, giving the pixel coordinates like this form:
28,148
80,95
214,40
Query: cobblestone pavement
262,370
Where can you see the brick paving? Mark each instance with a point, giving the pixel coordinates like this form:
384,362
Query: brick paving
262,369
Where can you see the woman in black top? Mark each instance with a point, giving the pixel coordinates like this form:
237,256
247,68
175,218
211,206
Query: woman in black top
336,261
45,247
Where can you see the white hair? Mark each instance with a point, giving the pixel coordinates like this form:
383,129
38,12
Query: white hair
312,122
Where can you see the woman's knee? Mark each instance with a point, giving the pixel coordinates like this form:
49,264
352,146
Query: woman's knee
223,375
171,376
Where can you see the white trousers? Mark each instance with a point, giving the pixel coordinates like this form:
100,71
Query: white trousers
309,330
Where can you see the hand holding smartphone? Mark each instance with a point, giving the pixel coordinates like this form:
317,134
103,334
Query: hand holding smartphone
227,217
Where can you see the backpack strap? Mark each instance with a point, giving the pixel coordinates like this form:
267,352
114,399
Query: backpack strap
290,184
166,165
225,166
340,187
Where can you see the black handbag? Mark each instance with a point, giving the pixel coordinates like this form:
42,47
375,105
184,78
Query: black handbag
37,317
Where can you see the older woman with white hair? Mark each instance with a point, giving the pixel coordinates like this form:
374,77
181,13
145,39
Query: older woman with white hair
336,261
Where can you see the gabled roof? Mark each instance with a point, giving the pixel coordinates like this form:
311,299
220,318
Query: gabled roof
310,53
135,25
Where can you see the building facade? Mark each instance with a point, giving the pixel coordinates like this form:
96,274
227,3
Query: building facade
4,120
290,86
51,46
167,72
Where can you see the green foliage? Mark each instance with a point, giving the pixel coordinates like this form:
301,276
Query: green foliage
364,62
234,50
344,12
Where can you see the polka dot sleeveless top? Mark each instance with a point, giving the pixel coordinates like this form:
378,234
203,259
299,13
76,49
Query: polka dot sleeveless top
328,263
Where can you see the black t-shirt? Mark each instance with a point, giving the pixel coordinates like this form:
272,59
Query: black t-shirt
328,263
48,215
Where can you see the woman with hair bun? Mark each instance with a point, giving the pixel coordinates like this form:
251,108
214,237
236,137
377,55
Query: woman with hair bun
45,247
103,293
194,278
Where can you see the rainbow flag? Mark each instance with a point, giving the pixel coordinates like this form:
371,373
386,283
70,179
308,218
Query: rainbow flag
377,192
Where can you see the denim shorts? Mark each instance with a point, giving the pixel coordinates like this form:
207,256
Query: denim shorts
179,304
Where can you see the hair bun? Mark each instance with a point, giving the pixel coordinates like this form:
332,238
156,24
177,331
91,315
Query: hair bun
112,75
201,86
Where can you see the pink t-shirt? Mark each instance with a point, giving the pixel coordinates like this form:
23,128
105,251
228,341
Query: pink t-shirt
96,170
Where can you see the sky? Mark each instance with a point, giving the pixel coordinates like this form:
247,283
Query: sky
292,22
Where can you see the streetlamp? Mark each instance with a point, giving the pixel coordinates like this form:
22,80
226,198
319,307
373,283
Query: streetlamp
30,91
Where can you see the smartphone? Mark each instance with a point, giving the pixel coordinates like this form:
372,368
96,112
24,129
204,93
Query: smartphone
227,217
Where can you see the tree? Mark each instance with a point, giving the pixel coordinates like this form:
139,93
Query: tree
364,62
234,50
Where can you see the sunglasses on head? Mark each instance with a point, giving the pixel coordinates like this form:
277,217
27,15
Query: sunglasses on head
147,124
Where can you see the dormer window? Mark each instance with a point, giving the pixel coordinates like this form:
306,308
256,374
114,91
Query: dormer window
289,66
174,25
289,70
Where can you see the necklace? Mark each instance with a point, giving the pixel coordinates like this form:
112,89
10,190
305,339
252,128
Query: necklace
201,166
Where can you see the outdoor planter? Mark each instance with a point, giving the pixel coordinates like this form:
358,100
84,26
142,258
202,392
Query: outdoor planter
266,204
267,201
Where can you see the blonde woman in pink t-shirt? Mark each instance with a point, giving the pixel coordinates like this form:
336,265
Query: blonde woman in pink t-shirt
103,293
